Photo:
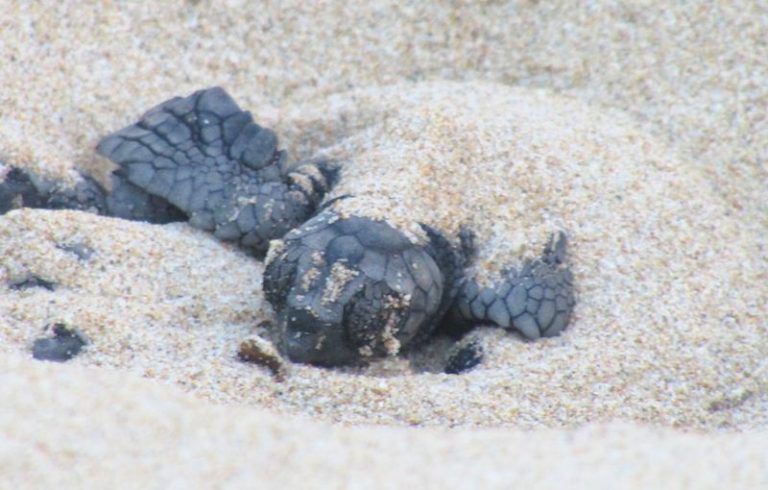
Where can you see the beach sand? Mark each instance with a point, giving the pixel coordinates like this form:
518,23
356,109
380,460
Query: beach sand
641,131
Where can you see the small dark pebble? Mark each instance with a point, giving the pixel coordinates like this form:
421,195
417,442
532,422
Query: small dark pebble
32,282
262,352
63,346
464,358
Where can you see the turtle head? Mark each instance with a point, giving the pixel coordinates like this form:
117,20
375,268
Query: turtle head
350,289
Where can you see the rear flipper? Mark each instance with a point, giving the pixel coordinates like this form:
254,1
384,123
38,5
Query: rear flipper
536,301
20,188
210,160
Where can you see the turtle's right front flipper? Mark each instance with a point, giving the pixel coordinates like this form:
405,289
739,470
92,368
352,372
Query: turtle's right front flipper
210,160
535,301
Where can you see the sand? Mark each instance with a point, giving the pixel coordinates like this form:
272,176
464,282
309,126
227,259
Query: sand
125,432
641,133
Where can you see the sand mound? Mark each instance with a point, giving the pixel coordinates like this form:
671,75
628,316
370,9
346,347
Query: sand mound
86,427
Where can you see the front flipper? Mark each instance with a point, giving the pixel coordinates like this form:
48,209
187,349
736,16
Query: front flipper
536,301
209,159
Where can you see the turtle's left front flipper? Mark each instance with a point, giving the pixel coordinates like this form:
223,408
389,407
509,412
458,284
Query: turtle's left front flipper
536,301
210,160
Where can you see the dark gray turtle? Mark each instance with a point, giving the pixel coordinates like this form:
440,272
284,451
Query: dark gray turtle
345,287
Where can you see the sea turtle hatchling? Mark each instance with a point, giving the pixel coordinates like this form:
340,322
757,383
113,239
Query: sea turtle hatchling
346,287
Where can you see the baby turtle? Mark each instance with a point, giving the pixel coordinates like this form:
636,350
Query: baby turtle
345,287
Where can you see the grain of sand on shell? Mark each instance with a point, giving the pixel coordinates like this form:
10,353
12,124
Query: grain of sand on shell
667,241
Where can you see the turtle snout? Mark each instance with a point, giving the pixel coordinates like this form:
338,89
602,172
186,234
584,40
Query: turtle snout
309,340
